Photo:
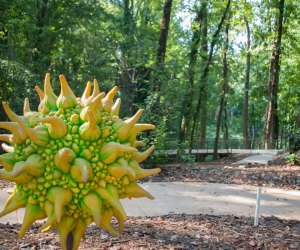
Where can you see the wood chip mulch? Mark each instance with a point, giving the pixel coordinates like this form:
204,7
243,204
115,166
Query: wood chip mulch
172,232
226,171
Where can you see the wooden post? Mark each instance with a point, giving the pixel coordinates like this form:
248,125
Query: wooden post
257,208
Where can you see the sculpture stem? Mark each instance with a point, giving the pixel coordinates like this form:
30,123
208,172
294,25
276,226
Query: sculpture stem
70,241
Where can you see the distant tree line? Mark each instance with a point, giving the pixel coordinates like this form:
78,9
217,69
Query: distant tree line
204,71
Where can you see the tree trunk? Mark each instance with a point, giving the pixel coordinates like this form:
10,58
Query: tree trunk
156,82
202,98
246,89
41,55
225,128
224,90
187,107
162,45
203,82
125,62
164,31
272,121
298,118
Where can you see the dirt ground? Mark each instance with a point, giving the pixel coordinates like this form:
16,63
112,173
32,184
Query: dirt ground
187,231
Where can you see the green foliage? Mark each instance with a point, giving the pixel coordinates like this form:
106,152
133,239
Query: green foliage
294,141
293,159
116,42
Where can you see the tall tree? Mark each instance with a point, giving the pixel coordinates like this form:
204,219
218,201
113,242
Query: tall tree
156,79
187,108
246,87
164,31
224,88
272,121
202,97
126,61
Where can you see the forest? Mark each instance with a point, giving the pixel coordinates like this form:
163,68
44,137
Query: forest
209,74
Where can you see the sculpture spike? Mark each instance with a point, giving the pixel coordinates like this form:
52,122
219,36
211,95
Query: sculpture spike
96,89
106,216
96,102
50,97
108,100
123,128
147,172
78,232
139,157
7,148
66,99
133,120
59,197
33,165
133,190
65,227
90,130
111,151
140,172
10,198
8,161
87,92
22,178
19,134
139,144
6,137
11,115
93,106
120,219
26,107
38,135
111,195
139,128
115,110
93,205
142,127
40,93
32,213
15,201
57,128
120,168
41,108
118,207
51,221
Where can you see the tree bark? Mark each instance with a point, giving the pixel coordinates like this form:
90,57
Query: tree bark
164,31
224,90
156,82
162,45
298,117
204,55
187,107
246,89
225,127
202,98
272,121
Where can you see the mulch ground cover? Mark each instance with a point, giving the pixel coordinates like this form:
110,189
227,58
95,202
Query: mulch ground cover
171,232
275,176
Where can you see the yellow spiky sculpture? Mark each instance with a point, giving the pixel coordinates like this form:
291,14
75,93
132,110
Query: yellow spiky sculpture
72,161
